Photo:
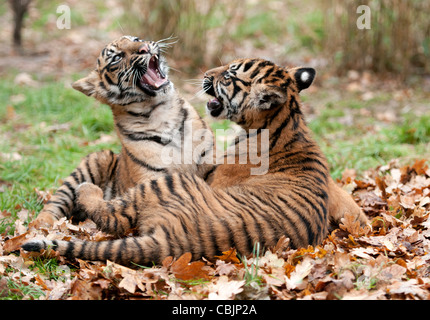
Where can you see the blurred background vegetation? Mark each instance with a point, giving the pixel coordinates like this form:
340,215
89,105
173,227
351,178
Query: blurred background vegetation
368,105
398,41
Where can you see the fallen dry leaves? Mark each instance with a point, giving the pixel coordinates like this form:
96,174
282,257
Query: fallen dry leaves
389,259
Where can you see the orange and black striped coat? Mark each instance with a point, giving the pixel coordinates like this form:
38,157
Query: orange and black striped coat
152,121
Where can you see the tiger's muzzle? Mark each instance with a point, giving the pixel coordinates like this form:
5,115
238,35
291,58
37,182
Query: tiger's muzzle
214,107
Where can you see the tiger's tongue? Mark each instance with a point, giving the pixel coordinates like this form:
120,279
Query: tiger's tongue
153,79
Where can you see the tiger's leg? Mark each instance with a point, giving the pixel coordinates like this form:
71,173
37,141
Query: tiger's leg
194,217
95,168
340,204
116,216
170,224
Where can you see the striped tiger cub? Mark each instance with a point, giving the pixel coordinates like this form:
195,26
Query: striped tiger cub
150,118
263,81
181,212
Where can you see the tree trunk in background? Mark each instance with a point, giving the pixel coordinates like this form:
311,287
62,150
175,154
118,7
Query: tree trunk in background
19,8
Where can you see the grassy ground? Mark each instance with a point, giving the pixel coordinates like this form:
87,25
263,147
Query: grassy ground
362,134
45,131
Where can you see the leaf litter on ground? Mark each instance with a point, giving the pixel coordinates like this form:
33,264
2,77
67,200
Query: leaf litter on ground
389,259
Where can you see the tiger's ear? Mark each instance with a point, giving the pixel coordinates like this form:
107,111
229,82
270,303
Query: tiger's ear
303,77
265,96
88,84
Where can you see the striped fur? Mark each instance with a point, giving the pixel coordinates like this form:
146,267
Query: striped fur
148,119
181,212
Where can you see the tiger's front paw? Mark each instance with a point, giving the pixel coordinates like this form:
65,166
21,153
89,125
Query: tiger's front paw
88,196
43,220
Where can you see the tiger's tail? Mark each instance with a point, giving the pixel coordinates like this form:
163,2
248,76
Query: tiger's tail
131,250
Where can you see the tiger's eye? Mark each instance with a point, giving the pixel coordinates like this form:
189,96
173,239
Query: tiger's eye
116,58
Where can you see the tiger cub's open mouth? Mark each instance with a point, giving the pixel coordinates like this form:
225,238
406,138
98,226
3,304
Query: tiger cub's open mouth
214,107
154,78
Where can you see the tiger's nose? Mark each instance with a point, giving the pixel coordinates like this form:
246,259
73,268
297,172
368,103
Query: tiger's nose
144,48
208,76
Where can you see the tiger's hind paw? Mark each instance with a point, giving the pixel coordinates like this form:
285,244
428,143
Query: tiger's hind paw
88,196
43,220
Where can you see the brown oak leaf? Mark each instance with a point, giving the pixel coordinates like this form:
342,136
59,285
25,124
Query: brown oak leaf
185,270
350,224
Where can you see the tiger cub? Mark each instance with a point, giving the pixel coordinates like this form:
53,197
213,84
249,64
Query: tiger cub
150,118
180,212
339,201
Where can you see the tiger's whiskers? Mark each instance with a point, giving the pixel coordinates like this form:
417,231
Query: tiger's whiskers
205,86
164,44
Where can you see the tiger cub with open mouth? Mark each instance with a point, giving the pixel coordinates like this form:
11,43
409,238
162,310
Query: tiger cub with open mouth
152,120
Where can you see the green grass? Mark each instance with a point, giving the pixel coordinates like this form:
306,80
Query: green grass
50,269
251,276
46,268
412,131
51,128
18,290
351,140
